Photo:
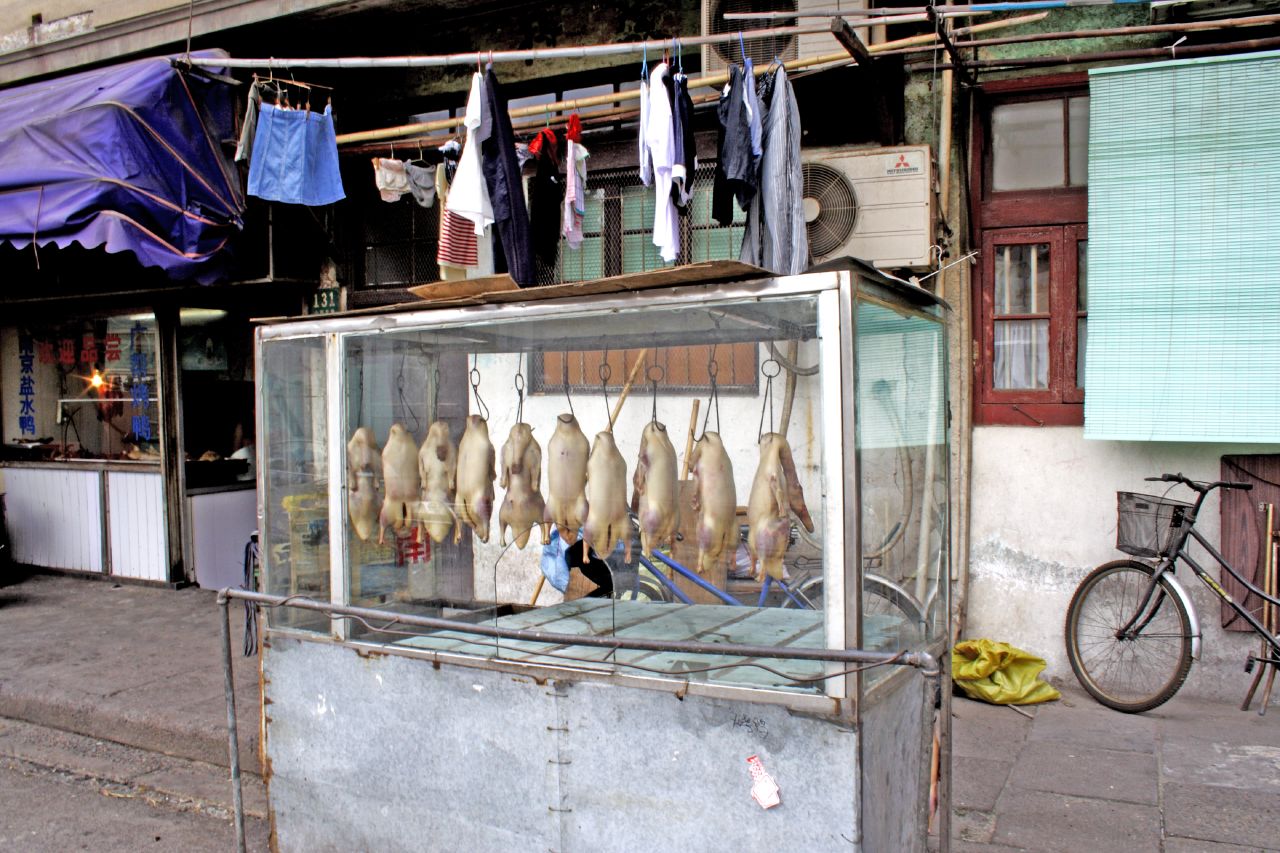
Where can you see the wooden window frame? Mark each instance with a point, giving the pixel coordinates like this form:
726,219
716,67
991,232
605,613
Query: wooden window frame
1056,215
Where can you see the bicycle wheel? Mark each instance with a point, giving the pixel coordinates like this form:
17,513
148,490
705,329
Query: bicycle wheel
888,611
1142,670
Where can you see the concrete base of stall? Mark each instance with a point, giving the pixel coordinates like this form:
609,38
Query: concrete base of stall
405,754
1044,515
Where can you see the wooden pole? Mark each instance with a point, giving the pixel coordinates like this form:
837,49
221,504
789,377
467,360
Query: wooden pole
537,591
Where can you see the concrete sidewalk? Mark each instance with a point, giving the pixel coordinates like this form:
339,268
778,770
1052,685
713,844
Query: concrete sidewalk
89,666
1192,775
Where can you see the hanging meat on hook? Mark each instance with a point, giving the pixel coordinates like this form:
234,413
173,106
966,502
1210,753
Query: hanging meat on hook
475,477
438,470
715,500
567,452
775,494
607,519
363,463
399,482
655,500
521,476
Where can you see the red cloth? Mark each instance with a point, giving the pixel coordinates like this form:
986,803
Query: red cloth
546,137
573,130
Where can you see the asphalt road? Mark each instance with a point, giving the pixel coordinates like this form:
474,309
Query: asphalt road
47,809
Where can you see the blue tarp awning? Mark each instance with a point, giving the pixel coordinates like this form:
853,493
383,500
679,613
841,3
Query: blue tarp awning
127,158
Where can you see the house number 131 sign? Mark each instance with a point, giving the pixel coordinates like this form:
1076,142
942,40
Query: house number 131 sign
325,301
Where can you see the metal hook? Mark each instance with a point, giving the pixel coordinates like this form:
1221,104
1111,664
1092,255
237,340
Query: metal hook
474,376
655,374
606,373
564,375
713,370
519,383
767,402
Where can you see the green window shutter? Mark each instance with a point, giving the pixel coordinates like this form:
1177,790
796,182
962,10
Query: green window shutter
1184,251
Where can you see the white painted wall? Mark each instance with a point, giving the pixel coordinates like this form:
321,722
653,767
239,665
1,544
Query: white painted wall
1044,514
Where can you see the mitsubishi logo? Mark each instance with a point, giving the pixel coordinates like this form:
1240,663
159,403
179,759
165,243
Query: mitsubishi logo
902,162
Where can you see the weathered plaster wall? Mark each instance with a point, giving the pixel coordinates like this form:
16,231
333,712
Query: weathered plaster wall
1044,514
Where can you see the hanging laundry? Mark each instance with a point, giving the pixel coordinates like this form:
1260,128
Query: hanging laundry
776,236
646,162
506,189
735,167
686,158
575,183
546,197
249,127
662,147
390,177
755,118
295,157
468,191
456,249
422,183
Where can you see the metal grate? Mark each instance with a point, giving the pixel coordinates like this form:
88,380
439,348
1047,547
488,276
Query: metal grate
618,229
400,244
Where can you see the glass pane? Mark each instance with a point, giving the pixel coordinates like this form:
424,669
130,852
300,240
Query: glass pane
902,446
1082,275
1022,279
1021,354
1078,153
1081,327
215,349
1026,147
89,389
295,544
471,545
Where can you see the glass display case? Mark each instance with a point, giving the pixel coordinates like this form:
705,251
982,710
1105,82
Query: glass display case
760,462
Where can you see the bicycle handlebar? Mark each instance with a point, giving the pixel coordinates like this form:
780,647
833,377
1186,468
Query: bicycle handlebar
1203,488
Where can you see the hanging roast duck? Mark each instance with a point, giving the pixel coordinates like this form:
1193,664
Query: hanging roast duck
655,500
363,463
399,482
775,494
521,477
715,500
438,470
475,477
567,452
607,520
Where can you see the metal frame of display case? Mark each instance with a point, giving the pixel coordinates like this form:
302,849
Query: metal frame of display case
837,294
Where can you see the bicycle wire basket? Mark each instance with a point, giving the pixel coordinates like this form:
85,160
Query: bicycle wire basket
1150,526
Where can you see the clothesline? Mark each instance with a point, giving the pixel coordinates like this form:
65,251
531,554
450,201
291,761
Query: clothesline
710,80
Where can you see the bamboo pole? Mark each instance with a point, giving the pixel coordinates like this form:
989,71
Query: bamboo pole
626,389
1109,32
711,80
688,444
1167,52
498,56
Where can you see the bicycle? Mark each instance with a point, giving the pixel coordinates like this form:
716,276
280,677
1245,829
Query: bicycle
1131,629
893,609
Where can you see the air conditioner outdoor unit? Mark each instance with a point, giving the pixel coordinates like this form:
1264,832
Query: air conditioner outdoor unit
870,203
716,57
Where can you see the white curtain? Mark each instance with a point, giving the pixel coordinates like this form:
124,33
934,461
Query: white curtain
1021,354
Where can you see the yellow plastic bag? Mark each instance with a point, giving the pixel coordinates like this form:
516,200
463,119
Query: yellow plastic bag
999,673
